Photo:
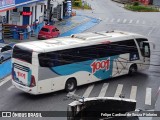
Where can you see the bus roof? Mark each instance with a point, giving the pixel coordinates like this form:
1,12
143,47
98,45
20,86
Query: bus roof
78,40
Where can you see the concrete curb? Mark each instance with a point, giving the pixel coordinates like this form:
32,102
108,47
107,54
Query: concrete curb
82,27
121,1
93,26
76,25
4,80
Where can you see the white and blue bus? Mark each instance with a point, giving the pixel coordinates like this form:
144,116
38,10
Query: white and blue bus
67,62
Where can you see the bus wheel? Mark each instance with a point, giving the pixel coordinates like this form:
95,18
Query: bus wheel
71,85
132,69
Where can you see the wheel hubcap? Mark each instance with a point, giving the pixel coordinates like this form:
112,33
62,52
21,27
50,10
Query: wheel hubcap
70,85
133,70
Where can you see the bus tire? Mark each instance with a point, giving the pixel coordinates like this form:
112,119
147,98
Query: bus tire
71,85
132,69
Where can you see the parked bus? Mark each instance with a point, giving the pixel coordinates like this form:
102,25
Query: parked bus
67,62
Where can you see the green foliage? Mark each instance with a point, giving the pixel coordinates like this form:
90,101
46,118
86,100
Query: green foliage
87,6
78,4
141,8
136,4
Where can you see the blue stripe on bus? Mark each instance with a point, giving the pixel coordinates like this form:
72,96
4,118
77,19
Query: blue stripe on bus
86,66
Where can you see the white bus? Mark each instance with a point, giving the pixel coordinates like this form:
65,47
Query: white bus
66,62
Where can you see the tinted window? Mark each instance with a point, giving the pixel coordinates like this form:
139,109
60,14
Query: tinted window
45,29
50,59
22,54
127,46
74,55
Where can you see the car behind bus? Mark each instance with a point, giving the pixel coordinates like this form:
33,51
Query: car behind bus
48,31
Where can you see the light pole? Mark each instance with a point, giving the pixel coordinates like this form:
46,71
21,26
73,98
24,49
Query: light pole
48,10
1,30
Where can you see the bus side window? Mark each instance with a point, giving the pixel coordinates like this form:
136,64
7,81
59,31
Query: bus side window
87,53
54,58
127,46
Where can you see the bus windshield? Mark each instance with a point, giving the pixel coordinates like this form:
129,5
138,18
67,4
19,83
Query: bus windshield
144,47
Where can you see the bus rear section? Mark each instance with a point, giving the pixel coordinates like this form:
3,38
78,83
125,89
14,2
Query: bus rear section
23,73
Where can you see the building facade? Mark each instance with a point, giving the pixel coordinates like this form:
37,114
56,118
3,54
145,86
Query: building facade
17,14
